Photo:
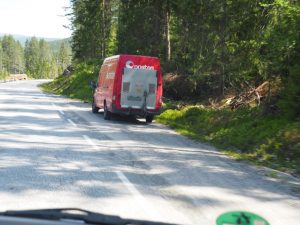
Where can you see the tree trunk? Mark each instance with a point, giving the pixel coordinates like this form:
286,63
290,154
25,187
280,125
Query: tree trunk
223,31
168,35
103,29
167,31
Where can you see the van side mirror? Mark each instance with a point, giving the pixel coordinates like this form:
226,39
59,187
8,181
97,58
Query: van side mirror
93,84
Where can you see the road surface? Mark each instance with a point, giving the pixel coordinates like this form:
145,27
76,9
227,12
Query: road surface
55,153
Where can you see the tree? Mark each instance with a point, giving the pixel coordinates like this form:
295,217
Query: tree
1,57
32,57
91,24
40,60
141,27
64,56
215,45
12,58
45,59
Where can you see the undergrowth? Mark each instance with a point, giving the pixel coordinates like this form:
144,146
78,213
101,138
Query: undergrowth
246,134
3,75
75,85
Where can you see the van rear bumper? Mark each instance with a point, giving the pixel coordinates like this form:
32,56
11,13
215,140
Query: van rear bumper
134,112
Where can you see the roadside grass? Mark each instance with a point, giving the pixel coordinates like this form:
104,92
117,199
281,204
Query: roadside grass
245,134
76,85
3,75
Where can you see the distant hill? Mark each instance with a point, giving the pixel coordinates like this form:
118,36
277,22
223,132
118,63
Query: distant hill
22,38
55,44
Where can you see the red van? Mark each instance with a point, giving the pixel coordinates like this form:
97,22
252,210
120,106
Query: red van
129,85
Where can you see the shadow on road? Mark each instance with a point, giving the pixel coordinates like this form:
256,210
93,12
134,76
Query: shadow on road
42,151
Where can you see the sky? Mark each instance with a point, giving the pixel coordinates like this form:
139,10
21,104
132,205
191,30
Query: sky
40,18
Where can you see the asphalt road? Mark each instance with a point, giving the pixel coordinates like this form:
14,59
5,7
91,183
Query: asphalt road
55,153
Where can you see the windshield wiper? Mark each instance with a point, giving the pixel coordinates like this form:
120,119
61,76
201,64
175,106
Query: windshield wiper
77,214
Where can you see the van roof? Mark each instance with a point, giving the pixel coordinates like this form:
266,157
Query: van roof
117,56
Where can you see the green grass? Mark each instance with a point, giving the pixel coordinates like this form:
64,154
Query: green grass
245,134
3,75
75,86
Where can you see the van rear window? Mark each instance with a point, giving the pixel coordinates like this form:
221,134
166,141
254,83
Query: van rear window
151,88
126,86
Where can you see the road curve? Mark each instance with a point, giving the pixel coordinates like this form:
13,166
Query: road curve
55,153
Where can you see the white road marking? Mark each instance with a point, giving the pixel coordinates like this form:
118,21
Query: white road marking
144,204
147,207
71,122
62,112
58,109
88,140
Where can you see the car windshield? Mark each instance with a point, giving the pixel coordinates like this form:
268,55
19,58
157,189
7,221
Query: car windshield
153,110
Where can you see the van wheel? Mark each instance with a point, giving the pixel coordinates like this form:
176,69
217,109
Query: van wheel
106,113
95,109
149,118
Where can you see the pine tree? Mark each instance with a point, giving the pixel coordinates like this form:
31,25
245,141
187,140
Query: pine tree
64,56
32,55
91,23
1,57
12,55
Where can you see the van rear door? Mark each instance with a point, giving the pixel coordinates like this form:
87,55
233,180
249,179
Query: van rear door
138,88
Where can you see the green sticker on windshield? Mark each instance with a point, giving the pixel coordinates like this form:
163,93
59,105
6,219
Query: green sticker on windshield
241,218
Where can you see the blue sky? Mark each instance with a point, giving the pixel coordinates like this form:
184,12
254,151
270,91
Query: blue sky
40,18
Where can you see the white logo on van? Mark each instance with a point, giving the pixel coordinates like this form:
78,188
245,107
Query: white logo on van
130,64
